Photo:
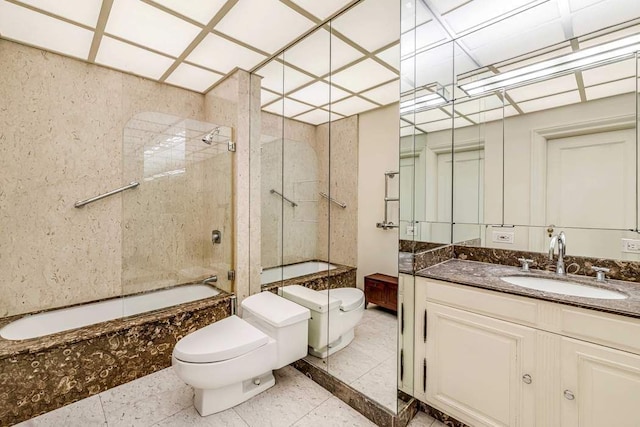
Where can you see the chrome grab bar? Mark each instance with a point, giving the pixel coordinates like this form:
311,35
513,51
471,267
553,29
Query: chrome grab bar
331,199
81,203
293,204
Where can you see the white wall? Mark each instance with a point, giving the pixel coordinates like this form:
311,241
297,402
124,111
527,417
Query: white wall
377,154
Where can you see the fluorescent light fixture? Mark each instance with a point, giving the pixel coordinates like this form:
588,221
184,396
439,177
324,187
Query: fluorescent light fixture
585,58
434,98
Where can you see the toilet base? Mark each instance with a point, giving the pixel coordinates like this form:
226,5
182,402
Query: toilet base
211,401
344,340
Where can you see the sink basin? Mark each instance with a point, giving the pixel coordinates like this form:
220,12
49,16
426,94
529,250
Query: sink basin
563,287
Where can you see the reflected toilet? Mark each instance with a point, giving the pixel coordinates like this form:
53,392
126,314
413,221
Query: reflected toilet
334,315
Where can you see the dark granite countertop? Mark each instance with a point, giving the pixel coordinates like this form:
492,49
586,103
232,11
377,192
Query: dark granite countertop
487,276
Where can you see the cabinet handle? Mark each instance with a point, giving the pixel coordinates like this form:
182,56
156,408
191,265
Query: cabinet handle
569,395
526,378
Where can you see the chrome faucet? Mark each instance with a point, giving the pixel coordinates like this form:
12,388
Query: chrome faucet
210,280
561,240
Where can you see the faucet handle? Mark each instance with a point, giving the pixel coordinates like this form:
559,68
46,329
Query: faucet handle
601,273
525,263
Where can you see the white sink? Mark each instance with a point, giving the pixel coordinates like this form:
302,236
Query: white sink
563,287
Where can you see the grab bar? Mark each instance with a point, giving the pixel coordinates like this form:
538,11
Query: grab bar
332,200
81,203
293,204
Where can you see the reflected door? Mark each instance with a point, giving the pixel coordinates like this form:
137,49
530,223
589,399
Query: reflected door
591,184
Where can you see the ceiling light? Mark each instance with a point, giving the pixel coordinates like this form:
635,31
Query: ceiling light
425,102
585,58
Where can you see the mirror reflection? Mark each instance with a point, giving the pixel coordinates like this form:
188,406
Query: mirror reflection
530,138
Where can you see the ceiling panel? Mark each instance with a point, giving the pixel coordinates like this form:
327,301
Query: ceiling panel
413,13
481,104
266,24
150,27
318,94
193,78
391,56
432,115
353,105
576,5
26,26
280,78
409,131
363,75
321,9
497,114
222,55
318,117
372,24
83,11
126,57
534,59
611,89
266,97
200,11
550,102
291,107
544,88
604,14
436,126
479,12
607,73
444,6
328,51
385,94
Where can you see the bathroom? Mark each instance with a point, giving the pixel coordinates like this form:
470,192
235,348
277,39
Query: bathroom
248,150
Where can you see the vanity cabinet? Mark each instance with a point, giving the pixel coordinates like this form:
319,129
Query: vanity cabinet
493,359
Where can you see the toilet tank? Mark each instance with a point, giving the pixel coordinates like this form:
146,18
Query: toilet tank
284,321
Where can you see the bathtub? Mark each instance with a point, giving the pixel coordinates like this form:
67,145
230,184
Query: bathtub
286,272
64,319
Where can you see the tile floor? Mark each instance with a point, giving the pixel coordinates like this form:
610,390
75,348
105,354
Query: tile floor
162,399
369,363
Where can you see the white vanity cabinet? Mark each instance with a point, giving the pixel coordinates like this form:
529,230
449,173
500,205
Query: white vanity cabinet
493,359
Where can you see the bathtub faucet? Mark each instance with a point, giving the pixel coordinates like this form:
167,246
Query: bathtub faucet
210,280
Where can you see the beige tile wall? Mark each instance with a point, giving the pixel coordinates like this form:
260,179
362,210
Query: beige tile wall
61,130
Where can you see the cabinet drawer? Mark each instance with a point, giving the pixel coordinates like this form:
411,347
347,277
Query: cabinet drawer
494,304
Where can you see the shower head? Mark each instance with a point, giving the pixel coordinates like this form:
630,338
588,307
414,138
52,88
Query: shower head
208,138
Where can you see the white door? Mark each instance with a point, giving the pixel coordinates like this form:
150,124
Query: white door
591,184
476,371
468,188
600,386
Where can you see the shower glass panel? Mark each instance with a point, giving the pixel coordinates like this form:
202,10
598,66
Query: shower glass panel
177,225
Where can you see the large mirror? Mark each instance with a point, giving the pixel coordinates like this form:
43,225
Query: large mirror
543,129
329,116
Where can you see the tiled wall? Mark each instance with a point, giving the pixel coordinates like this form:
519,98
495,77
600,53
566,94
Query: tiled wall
61,130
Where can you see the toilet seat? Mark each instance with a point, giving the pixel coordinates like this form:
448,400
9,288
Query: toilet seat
351,298
226,339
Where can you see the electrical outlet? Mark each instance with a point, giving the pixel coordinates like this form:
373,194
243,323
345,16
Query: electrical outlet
410,230
631,246
503,237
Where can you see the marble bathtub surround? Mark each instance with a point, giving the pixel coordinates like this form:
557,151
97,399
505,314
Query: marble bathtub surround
342,276
46,373
487,276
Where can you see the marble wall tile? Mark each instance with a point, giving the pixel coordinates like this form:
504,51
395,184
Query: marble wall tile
424,259
60,141
337,227
43,374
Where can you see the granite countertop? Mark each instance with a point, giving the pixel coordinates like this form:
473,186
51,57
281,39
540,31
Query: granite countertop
487,276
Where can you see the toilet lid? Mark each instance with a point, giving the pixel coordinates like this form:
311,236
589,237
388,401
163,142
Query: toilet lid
227,338
351,298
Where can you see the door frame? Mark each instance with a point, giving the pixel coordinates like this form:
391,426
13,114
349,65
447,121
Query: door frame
538,166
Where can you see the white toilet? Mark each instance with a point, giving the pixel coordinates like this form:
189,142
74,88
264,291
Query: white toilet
232,360
334,315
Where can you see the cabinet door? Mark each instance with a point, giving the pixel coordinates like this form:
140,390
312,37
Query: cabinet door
600,386
476,368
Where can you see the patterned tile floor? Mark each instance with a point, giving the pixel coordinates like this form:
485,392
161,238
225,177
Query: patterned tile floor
162,399
369,363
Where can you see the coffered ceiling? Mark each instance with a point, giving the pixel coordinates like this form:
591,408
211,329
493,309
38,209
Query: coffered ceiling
493,37
194,44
